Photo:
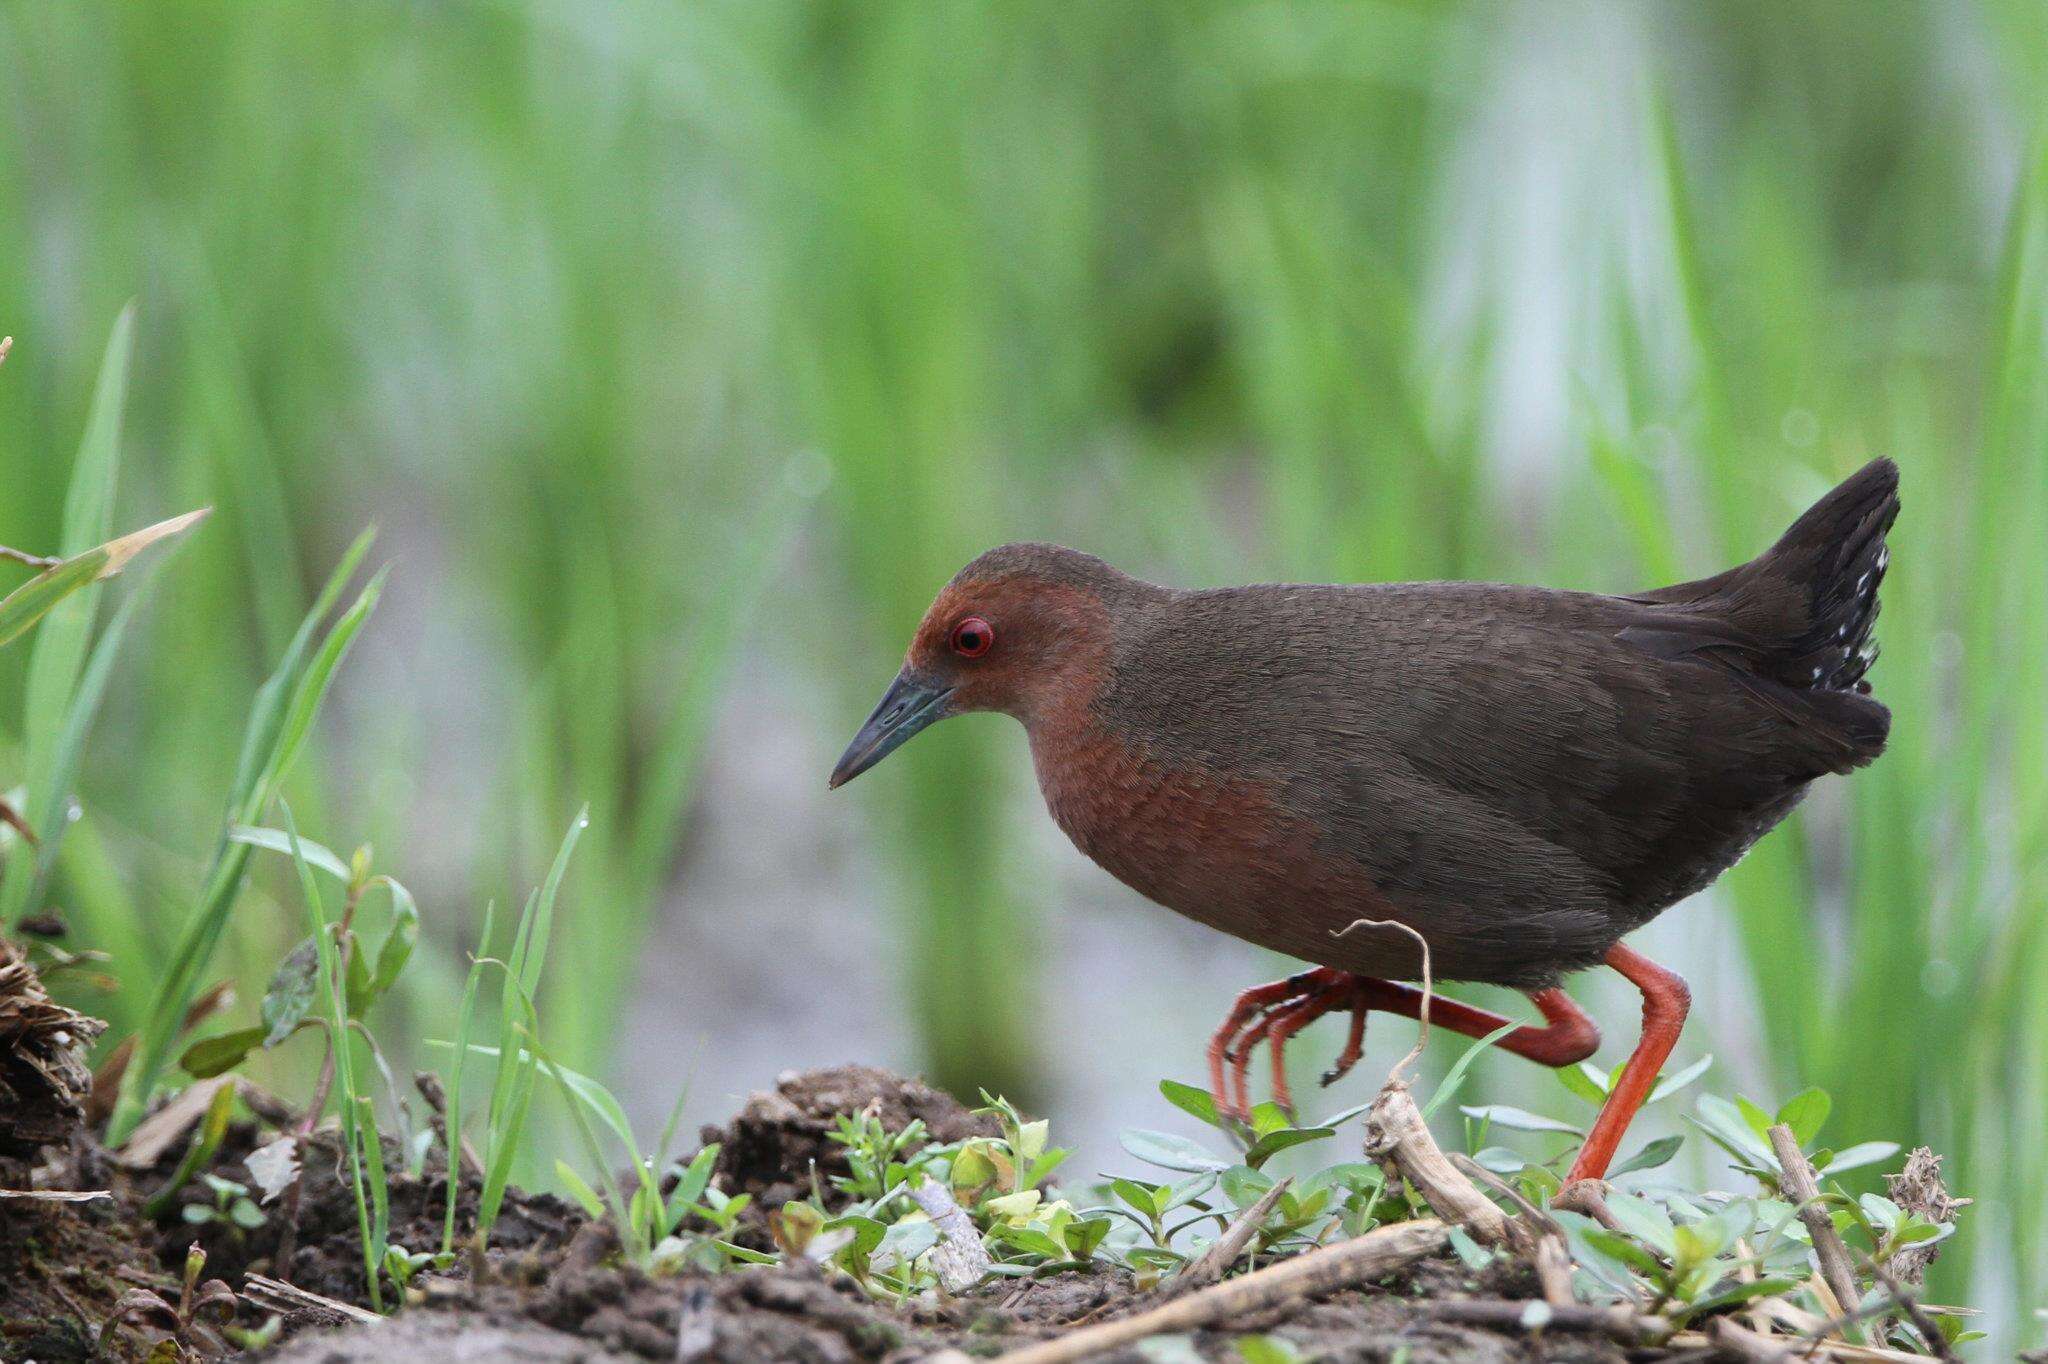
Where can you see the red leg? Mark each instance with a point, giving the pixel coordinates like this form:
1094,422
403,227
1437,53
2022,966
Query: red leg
1568,1035
1276,1029
1665,1001
1354,1047
1275,1013
1249,1005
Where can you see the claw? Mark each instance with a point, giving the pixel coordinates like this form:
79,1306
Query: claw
1274,1014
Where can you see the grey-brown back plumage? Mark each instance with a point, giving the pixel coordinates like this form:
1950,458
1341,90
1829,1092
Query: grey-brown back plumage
1525,774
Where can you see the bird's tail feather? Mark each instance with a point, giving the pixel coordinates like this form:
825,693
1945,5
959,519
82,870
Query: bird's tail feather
1800,614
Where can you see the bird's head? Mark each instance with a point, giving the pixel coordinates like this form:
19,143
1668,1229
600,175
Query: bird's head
1025,629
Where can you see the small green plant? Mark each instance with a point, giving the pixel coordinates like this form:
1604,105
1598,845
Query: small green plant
231,1207
207,1136
1692,1266
1740,1130
402,1266
880,1160
361,1139
279,723
191,1327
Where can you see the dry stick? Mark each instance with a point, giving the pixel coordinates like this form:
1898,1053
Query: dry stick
1937,1343
1394,1130
1222,1255
1535,1234
278,1295
1840,1350
1735,1341
1827,1242
1345,1265
1538,1218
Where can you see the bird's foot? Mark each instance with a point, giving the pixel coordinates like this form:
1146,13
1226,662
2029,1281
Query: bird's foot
1272,1014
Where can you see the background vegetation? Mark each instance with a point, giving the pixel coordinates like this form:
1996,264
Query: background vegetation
667,340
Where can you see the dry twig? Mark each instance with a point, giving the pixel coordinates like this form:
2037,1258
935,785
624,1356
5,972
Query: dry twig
1937,1343
1394,1131
1804,1191
1300,1279
1218,1258
279,1296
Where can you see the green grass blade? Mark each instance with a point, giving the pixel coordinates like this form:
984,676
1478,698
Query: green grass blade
453,1118
359,1133
25,876
88,521
261,768
40,595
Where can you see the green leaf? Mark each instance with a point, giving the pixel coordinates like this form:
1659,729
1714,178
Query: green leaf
1191,1100
52,767
1671,1084
218,1055
1755,1119
1645,1221
177,980
691,1182
1882,1212
1623,1249
1805,1112
1269,1117
1266,1350
1861,1154
1144,1197
1280,1139
579,1189
1586,1080
358,974
291,992
867,1232
277,841
399,941
1169,1152
1737,1294
1083,1237
1652,1156
1693,1245
1730,1130
312,687
1520,1119
1455,1076
1244,1186
1188,1190
37,597
245,1214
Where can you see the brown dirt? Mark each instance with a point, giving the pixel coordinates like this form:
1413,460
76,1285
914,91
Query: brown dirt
555,1291
771,1145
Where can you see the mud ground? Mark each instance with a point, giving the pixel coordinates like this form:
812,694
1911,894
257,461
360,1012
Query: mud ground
554,1290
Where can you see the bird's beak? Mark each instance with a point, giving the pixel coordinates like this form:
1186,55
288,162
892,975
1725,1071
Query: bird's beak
908,706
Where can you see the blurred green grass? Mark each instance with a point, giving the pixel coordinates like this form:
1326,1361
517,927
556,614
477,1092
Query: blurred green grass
583,304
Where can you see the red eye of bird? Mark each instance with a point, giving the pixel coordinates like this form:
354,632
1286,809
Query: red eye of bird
973,637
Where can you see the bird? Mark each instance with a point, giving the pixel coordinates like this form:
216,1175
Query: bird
1516,777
